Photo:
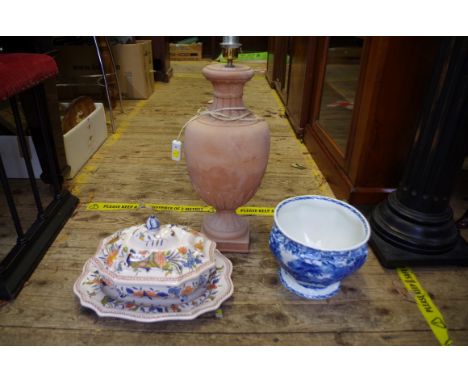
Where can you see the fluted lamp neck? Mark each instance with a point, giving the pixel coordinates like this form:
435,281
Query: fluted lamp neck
228,85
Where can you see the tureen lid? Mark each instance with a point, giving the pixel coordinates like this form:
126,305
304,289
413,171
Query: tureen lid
155,252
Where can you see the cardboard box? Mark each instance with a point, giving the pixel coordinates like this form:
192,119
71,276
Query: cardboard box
84,139
80,144
13,159
186,52
76,64
134,64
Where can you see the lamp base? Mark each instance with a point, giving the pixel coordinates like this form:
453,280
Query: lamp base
229,231
238,245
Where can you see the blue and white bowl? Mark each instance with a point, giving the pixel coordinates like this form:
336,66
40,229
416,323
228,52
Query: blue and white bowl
317,241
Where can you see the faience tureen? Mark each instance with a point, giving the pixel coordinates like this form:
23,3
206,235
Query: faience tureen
151,272
151,262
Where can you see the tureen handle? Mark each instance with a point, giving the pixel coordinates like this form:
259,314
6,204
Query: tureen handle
153,223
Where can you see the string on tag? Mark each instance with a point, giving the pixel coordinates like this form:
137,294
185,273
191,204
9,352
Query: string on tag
219,114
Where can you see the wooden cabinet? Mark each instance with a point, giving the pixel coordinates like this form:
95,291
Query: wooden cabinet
277,73
289,71
270,73
355,102
161,57
299,81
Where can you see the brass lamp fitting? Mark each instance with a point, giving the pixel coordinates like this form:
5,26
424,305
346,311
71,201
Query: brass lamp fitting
231,47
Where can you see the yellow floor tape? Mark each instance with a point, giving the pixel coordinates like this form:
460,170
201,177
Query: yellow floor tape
112,206
427,307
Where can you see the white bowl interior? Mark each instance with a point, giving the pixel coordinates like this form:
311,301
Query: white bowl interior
321,224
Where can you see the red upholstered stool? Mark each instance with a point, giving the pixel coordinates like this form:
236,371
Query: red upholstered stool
21,71
23,74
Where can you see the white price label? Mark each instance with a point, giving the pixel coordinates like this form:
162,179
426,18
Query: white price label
176,150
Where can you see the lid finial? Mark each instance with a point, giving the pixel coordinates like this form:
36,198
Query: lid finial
153,223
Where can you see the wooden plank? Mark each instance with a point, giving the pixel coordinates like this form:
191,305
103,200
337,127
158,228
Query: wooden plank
283,318
99,337
250,284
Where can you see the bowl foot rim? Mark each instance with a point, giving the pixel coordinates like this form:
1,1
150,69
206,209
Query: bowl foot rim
310,293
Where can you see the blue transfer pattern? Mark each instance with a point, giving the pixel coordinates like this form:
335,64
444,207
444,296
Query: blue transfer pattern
311,267
291,289
315,268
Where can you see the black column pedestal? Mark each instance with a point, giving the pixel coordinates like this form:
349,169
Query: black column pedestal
402,236
415,225
391,256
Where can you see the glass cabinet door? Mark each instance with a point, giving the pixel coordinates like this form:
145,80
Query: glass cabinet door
339,87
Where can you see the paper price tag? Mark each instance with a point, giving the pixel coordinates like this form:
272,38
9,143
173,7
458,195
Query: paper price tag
176,153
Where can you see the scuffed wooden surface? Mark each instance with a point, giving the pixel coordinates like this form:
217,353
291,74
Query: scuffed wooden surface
373,307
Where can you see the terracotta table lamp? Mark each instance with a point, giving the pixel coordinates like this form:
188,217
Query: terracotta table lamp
226,151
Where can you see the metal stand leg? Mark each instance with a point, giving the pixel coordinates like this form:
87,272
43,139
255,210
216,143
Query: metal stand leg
38,97
115,73
27,157
106,85
10,202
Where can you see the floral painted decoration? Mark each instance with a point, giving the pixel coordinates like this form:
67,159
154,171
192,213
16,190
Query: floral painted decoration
218,287
155,270
171,261
159,251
